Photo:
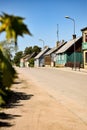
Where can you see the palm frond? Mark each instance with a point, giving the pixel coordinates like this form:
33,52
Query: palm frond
13,26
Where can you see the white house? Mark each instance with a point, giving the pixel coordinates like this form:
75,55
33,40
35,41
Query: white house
39,59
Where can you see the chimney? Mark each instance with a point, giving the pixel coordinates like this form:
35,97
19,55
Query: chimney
62,41
74,36
57,43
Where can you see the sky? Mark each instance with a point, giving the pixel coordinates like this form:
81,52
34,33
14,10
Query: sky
45,17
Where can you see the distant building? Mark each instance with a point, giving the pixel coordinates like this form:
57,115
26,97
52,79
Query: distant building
84,46
24,61
66,53
50,56
39,59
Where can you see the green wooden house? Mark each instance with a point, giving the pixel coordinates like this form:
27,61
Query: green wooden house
70,52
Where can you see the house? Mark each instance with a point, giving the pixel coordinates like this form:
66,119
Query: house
84,46
50,56
24,61
39,59
70,52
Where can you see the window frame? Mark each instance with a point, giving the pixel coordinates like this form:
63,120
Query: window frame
85,57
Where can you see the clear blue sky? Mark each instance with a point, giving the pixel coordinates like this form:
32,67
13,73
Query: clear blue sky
42,17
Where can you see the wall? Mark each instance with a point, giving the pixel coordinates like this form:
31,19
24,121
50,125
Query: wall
61,59
36,63
77,55
85,61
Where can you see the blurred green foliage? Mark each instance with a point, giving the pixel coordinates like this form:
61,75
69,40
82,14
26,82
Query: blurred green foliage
7,75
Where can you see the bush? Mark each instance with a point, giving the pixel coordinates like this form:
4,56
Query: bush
31,62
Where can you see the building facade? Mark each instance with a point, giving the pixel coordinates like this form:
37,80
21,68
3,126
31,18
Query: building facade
84,46
67,54
39,59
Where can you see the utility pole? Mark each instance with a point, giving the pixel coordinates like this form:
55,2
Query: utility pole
57,33
42,41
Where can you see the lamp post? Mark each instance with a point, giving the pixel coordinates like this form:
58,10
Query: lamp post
42,41
73,37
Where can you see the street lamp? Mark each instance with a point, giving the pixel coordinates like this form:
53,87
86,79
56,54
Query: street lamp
73,22
42,41
74,36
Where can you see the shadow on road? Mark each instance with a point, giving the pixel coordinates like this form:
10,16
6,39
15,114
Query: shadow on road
14,97
13,101
5,124
4,116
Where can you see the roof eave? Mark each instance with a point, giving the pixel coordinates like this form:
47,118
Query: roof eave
84,29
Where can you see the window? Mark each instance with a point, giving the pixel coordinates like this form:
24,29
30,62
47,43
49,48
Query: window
86,57
86,37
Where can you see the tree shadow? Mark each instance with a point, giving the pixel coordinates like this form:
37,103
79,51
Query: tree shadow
4,116
17,82
5,124
14,98
13,101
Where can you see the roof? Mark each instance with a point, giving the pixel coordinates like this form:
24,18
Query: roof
54,49
51,51
27,57
42,52
84,29
67,45
24,57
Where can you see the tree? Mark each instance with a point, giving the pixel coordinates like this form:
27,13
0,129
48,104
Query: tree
31,62
28,50
8,49
17,58
7,75
36,49
13,26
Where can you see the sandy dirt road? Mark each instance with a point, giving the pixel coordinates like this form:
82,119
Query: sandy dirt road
35,109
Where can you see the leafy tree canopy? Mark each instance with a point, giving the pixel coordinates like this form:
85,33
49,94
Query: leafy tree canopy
17,57
30,50
13,26
36,49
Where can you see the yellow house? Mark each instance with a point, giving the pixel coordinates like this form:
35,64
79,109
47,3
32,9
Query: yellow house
84,46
